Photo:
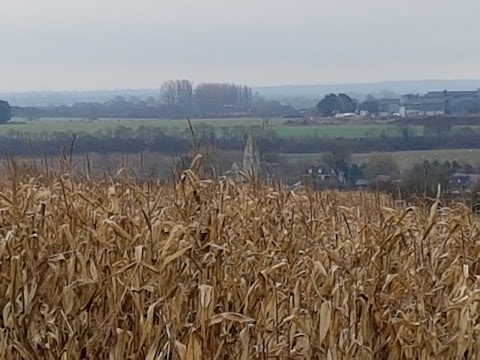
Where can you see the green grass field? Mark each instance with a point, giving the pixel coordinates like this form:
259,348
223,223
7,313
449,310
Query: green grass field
406,159
180,127
47,125
343,130
80,125
279,125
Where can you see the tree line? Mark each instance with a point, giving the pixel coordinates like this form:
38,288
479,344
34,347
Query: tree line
208,99
421,180
228,138
177,99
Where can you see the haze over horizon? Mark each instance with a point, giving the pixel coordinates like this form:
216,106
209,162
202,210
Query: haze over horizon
89,45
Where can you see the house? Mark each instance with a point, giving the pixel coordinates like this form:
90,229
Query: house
453,95
461,182
457,102
416,105
410,105
388,107
325,173
361,184
432,107
440,103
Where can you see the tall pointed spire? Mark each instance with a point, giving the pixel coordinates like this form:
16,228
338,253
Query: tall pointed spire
234,172
251,157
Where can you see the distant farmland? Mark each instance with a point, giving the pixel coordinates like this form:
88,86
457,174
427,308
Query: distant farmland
278,125
223,128
406,159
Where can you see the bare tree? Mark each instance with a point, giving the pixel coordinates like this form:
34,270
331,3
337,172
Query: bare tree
178,96
339,160
381,164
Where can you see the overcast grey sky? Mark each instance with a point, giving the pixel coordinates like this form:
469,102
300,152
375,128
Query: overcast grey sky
99,44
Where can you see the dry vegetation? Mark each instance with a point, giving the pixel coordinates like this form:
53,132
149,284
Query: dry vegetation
138,166
218,270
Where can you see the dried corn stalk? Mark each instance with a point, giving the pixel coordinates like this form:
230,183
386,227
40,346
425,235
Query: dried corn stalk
205,270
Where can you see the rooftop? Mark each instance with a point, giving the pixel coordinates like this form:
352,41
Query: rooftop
361,182
445,93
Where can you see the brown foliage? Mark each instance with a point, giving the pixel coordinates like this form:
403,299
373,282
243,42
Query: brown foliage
381,164
205,270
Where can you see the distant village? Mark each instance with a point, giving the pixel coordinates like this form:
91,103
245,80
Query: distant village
431,104
459,180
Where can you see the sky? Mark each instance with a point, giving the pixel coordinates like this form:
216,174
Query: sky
119,44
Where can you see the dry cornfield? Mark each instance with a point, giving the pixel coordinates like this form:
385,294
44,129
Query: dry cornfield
204,269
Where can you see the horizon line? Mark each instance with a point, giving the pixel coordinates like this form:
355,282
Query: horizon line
73,90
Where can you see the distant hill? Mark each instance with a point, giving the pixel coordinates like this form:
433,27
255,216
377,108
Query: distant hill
397,87
295,95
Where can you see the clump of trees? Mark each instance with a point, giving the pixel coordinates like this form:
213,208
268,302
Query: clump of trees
338,159
222,99
370,105
207,99
5,112
381,164
336,104
420,181
423,178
